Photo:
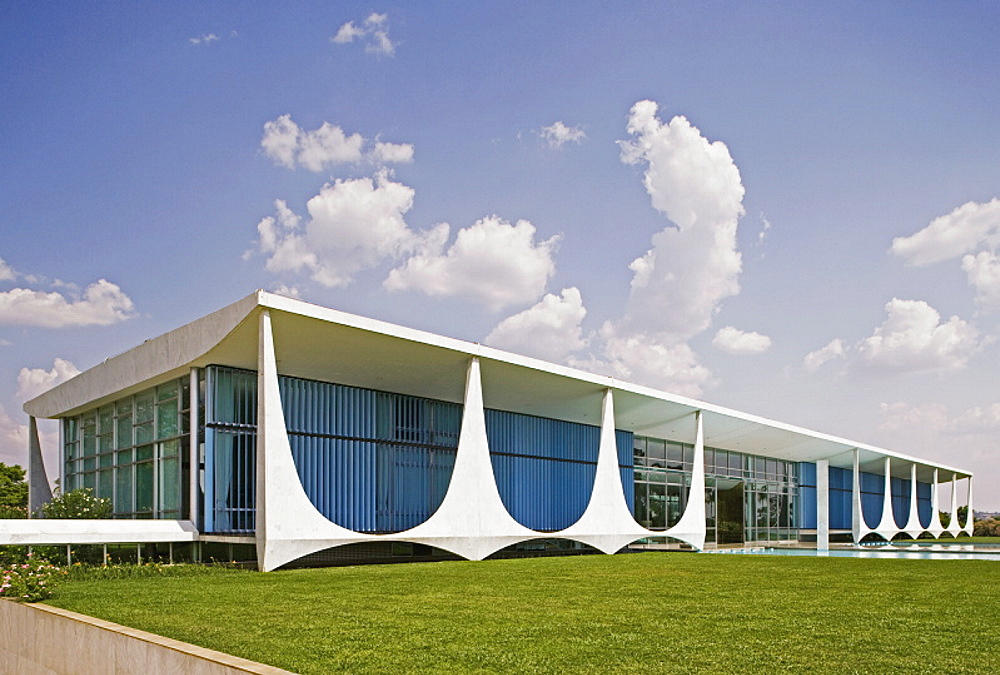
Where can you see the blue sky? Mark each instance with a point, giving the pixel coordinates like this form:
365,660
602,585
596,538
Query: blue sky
785,208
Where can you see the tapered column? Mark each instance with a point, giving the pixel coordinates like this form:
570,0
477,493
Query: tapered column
913,526
887,523
935,527
39,491
691,526
859,528
823,505
970,514
953,526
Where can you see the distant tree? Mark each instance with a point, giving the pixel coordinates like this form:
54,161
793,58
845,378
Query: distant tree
13,492
79,503
945,518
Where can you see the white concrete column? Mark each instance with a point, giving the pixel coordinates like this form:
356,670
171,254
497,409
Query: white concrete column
953,527
606,524
935,525
913,526
823,505
887,523
193,454
859,528
691,526
39,491
970,517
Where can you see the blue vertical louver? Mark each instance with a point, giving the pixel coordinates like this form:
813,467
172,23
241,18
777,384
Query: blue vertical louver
807,496
230,450
924,503
545,468
901,500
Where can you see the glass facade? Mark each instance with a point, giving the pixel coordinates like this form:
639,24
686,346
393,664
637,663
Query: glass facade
380,462
747,498
133,451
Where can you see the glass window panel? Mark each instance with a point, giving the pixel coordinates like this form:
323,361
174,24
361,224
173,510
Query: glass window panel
185,394
143,432
144,407
144,486
641,505
123,456
735,461
124,439
759,468
709,458
123,406
722,460
656,449
90,480
772,468
72,450
105,442
143,452
170,448
688,457
170,485
89,441
105,483
90,463
675,456
657,506
638,448
106,460
105,419
123,490
166,419
167,391
71,428
674,507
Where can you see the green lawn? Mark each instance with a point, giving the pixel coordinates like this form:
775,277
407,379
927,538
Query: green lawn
650,612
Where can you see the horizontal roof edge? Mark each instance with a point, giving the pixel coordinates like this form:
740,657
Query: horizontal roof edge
152,358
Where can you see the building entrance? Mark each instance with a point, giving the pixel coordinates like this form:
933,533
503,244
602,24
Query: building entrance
729,526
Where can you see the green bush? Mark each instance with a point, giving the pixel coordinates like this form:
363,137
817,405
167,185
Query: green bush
29,581
79,503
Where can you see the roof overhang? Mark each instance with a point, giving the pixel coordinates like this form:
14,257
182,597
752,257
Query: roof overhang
324,344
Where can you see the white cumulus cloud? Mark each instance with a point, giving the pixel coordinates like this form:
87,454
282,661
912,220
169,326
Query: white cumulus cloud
735,341
914,339
693,264
491,262
289,145
204,39
965,229
353,225
392,153
558,134
34,381
836,349
6,271
983,273
550,329
101,304
374,28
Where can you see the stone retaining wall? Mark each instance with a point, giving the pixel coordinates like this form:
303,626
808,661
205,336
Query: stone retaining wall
39,639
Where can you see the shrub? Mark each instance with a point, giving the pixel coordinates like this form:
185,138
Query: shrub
29,581
80,503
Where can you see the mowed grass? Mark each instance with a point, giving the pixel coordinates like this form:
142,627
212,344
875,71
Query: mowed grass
649,612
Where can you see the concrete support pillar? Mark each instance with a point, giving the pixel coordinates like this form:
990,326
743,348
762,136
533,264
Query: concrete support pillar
953,527
935,524
39,491
970,517
194,494
887,523
691,526
857,515
913,526
823,505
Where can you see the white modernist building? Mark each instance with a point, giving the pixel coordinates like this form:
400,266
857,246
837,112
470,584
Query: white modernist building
306,431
